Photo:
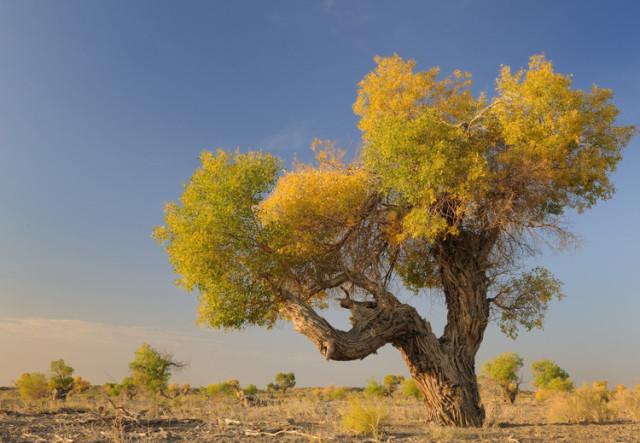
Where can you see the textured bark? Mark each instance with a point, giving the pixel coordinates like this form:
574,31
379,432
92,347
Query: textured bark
443,368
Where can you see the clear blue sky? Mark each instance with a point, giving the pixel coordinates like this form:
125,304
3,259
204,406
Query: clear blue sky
104,107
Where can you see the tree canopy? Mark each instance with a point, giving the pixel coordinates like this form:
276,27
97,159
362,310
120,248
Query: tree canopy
436,163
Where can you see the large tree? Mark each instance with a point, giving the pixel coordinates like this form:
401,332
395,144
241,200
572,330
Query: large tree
449,196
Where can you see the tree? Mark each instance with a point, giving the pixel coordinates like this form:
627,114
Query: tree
150,370
548,377
391,383
32,386
450,195
285,380
504,371
61,381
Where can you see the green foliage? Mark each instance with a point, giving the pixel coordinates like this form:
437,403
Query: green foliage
61,380
549,378
284,381
150,370
375,389
33,386
251,389
391,383
410,389
223,389
364,418
504,371
214,240
548,375
112,389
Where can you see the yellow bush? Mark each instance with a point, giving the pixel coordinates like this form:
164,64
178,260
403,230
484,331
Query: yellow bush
626,402
586,404
33,386
364,418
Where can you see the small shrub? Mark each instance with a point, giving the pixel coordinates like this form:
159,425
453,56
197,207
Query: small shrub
112,389
504,371
391,383
550,379
224,389
80,385
626,402
251,389
375,389
150,370
61,381
364,418
33,386
410,389
284,381
334,393
588,404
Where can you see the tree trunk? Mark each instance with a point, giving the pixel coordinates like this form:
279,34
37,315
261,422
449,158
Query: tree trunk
448,383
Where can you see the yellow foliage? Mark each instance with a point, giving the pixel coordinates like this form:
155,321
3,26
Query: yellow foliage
364,418
315,205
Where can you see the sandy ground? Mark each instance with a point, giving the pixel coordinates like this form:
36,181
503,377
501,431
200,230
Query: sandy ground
299,417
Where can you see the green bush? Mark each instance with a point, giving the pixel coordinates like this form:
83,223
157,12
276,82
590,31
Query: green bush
251,389
150,370
223,389
391,383
410,389
33,386
550,379
61,381
375,389
504,371
364,418
284,381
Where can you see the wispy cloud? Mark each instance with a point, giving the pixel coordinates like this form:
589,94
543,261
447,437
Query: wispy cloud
295,138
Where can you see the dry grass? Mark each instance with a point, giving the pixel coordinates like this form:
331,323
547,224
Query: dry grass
299,415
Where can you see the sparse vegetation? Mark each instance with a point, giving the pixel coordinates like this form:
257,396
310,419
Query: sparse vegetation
33,386
410,389
374,388
550,379
364,418
150,370
61,381
391,383
504,370
587,404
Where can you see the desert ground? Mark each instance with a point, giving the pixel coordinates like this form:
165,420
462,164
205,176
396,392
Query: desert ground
301,414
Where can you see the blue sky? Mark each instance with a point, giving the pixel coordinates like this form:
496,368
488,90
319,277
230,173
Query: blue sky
105,106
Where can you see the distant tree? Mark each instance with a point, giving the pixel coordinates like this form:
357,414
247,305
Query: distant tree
548,377
448,196
80,385
61,380
150,370
391,383
33,386
251,389
504,371
410,389
374,388
285,381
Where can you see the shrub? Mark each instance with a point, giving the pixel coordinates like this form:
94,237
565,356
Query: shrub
550,378
375,389
61,381
588,404
410,389
626,402
80,385
504,371
285,381
112,389
150,370
364,418
391,383
334,393
33,386
175,390
224,389
251,389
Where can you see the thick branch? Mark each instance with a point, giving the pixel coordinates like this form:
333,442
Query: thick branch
373,327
